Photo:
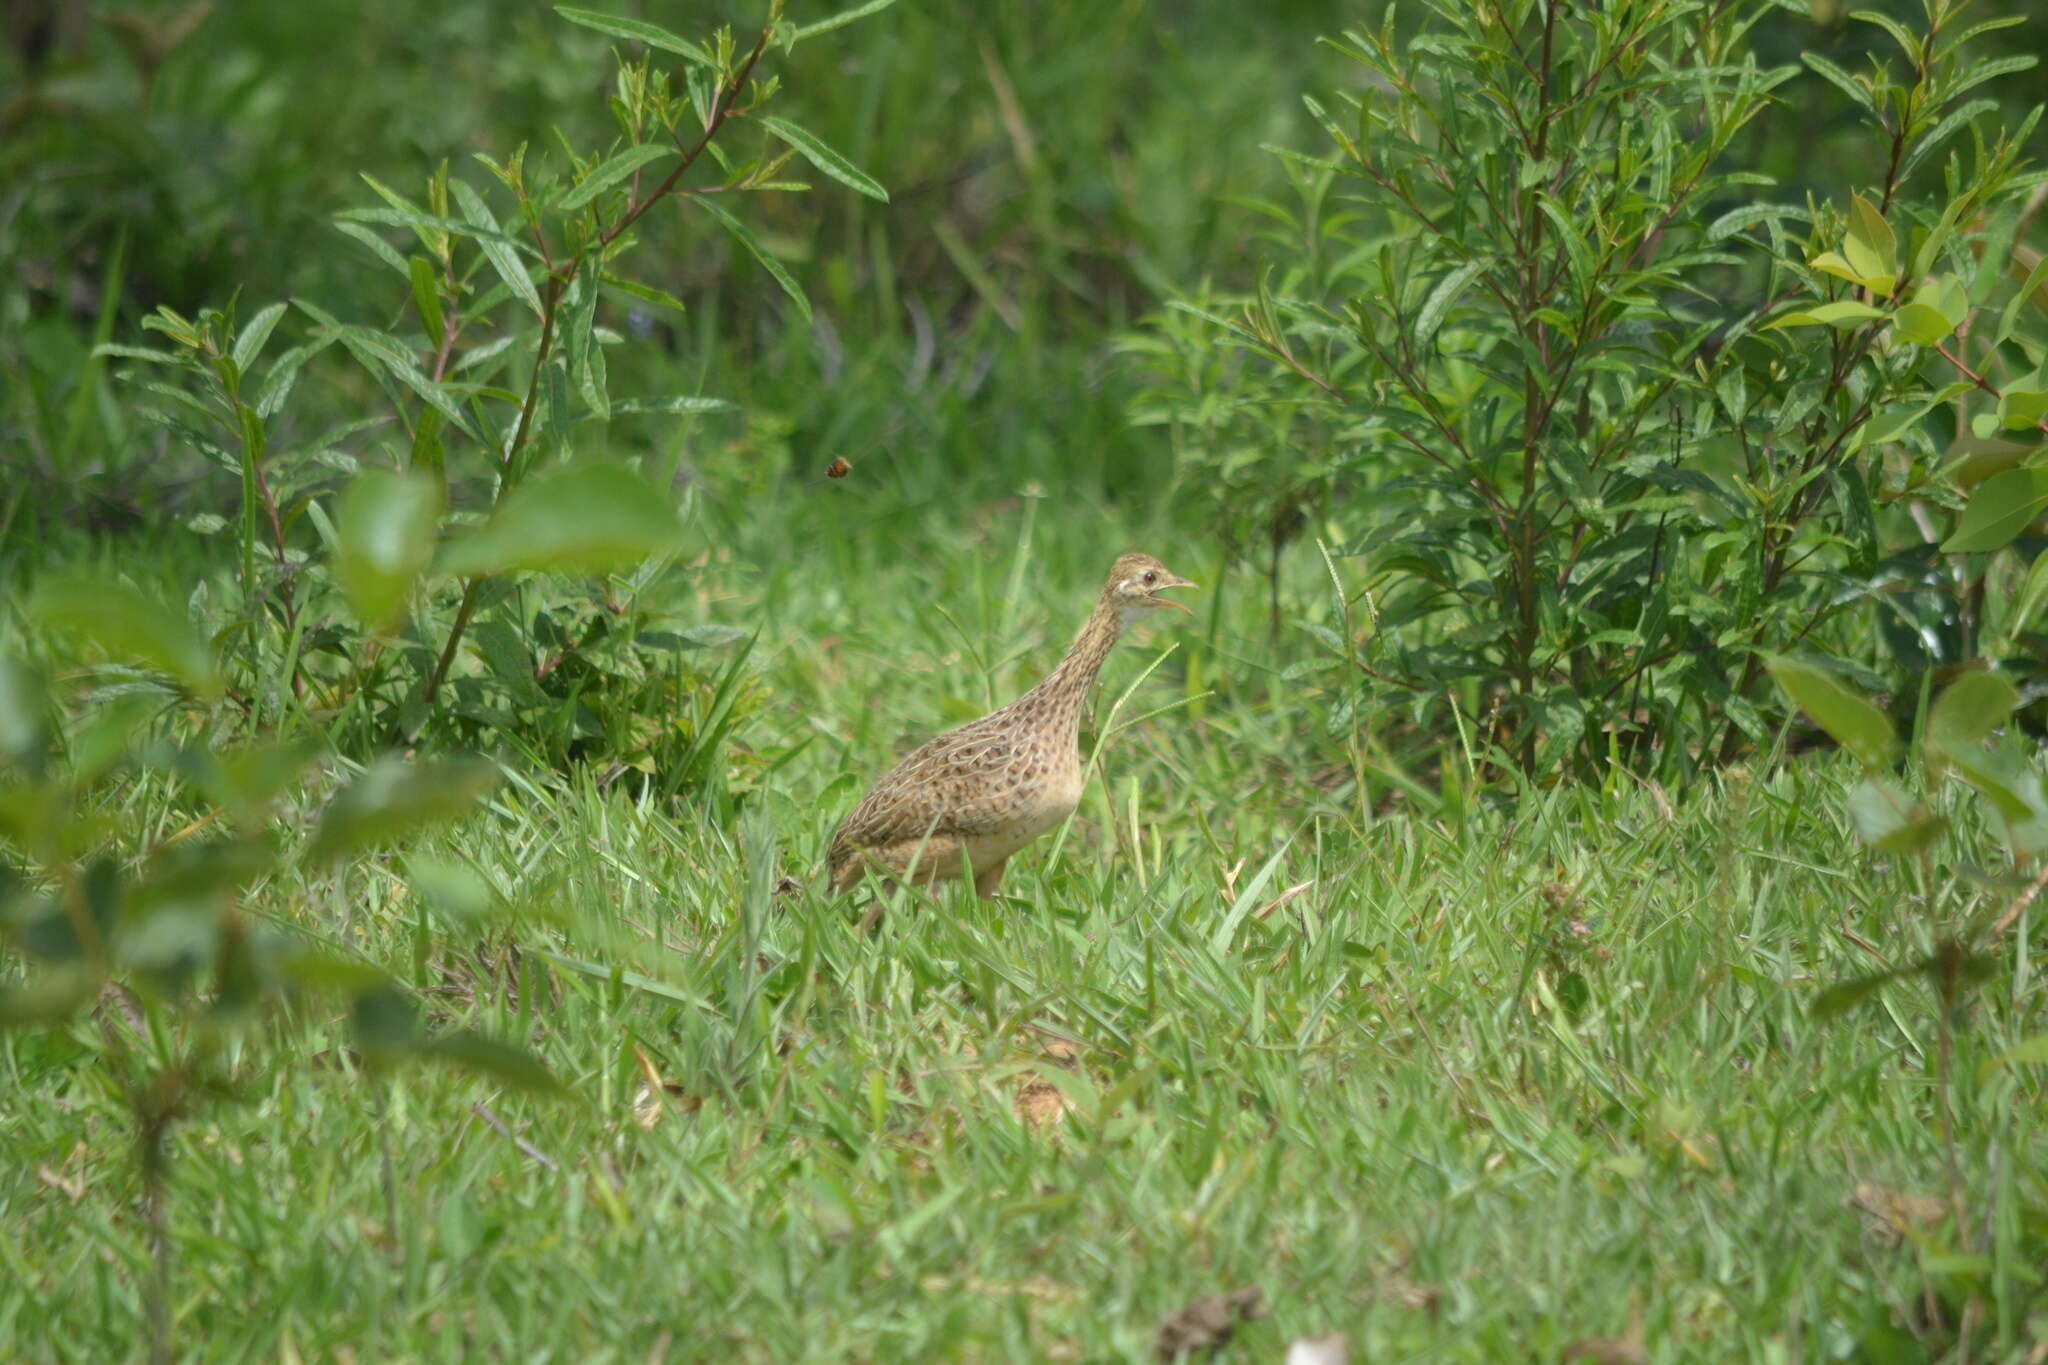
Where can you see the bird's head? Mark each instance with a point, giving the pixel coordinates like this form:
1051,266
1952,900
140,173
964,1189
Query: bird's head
1135,582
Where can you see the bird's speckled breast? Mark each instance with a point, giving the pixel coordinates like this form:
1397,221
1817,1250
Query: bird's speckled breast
1038,810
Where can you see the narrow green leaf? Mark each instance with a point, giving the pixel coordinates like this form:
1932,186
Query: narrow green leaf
843,18
254,442
638,31
612,172
1226,928
2028,601
426,297
496,249
377,352
1851,721
284,374
389,195
1974,74
598,971
823,157
249,341
1926,144
689,637
2028,270
586,357
1999,509
386,523
589,518
1842,81
418,221
428,455
382,249
1431,315
1871,246
557,413
143,353
760,253
1749,215
645,292
1843,313
1906,40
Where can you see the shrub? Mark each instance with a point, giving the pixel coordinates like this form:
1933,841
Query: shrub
1592,462
469,522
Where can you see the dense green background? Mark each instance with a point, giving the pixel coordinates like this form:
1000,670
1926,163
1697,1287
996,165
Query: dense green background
1105,185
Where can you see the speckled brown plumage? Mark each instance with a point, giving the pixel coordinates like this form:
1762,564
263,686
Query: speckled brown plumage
985,790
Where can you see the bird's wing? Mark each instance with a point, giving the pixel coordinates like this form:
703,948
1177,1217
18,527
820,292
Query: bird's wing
947,787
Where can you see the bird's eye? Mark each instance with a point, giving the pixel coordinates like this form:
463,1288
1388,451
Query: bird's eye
1151,577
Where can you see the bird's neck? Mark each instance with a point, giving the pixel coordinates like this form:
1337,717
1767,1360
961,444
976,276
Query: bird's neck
1065,689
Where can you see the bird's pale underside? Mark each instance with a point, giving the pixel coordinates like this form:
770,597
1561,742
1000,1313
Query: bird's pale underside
983,791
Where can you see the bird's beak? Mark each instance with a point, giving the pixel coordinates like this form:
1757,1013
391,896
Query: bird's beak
1168,601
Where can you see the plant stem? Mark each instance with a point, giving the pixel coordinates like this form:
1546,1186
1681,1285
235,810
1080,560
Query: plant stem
152,1124
550,306
1979,380
558,278
1944,1083
378,1089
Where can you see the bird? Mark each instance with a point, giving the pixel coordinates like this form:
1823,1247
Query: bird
984,790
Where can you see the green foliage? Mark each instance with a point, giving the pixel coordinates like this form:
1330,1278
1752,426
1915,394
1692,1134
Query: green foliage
1956,950
495,360
1533,331
157,936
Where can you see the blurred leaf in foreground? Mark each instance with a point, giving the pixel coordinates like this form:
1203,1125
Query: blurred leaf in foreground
1850,721
386,525
586,519
126,623
395,798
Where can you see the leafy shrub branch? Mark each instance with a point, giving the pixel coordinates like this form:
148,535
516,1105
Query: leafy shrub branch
498,357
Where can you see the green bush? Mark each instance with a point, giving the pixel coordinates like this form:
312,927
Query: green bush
1540,331
467,504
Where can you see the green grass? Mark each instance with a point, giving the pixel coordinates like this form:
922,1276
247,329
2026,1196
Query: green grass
1366,1100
